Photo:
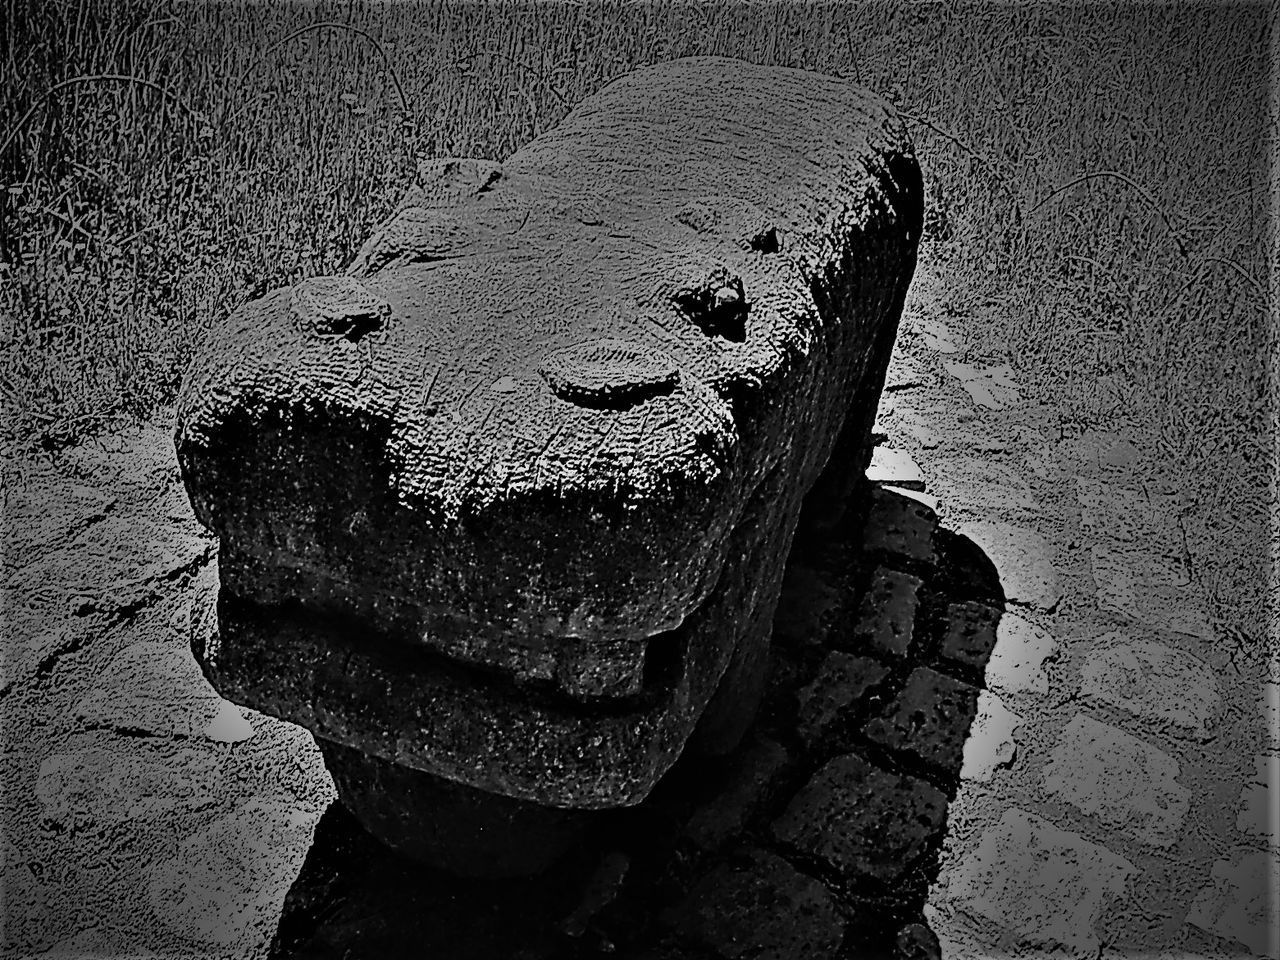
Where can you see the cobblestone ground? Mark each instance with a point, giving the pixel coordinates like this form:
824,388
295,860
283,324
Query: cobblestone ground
142,815
1131,812
1000,726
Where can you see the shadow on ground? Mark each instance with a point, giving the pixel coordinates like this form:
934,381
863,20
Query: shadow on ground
818,837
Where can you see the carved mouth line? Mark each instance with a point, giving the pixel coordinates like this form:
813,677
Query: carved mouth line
653,672
586,670
589,670
414,707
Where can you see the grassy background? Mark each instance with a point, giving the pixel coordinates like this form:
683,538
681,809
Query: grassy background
1097,177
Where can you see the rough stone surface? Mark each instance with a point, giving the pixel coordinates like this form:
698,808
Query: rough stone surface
982,485
1113,513
106,763
970,633
107,562
1103,454
1149,590
97,944
862,821
559,408
990,745
1017,663
886,617
1118,515
1162,686
905,372
937,335
84,889
1120,779
1260,800
1047,885
900,525
842,681
1024,560
152,688
991,387
1239,903
676,849
227,883
929,719
53,515
782,913
84,790
922,432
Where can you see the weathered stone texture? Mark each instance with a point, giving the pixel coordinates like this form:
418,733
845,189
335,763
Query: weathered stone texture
886,617
1167,688
842,682
990,744
1047,885
970,633
1122,780
863,821
151,688
1269,708
557,423
1153,592
992,387
901,526
1259,801
929,719
97,790
1238,903
191,893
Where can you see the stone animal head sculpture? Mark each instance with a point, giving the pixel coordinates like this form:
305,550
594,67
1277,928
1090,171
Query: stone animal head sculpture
508,503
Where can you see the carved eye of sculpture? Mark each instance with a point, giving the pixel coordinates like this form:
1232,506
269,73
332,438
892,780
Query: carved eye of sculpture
608,373
337,306
718,305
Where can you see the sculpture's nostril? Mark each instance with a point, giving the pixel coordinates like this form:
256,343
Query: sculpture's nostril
609,373
337,306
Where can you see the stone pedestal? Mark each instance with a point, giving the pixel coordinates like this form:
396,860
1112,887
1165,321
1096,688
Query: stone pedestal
465,831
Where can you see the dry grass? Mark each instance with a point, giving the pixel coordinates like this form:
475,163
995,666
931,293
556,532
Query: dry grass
1097,186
